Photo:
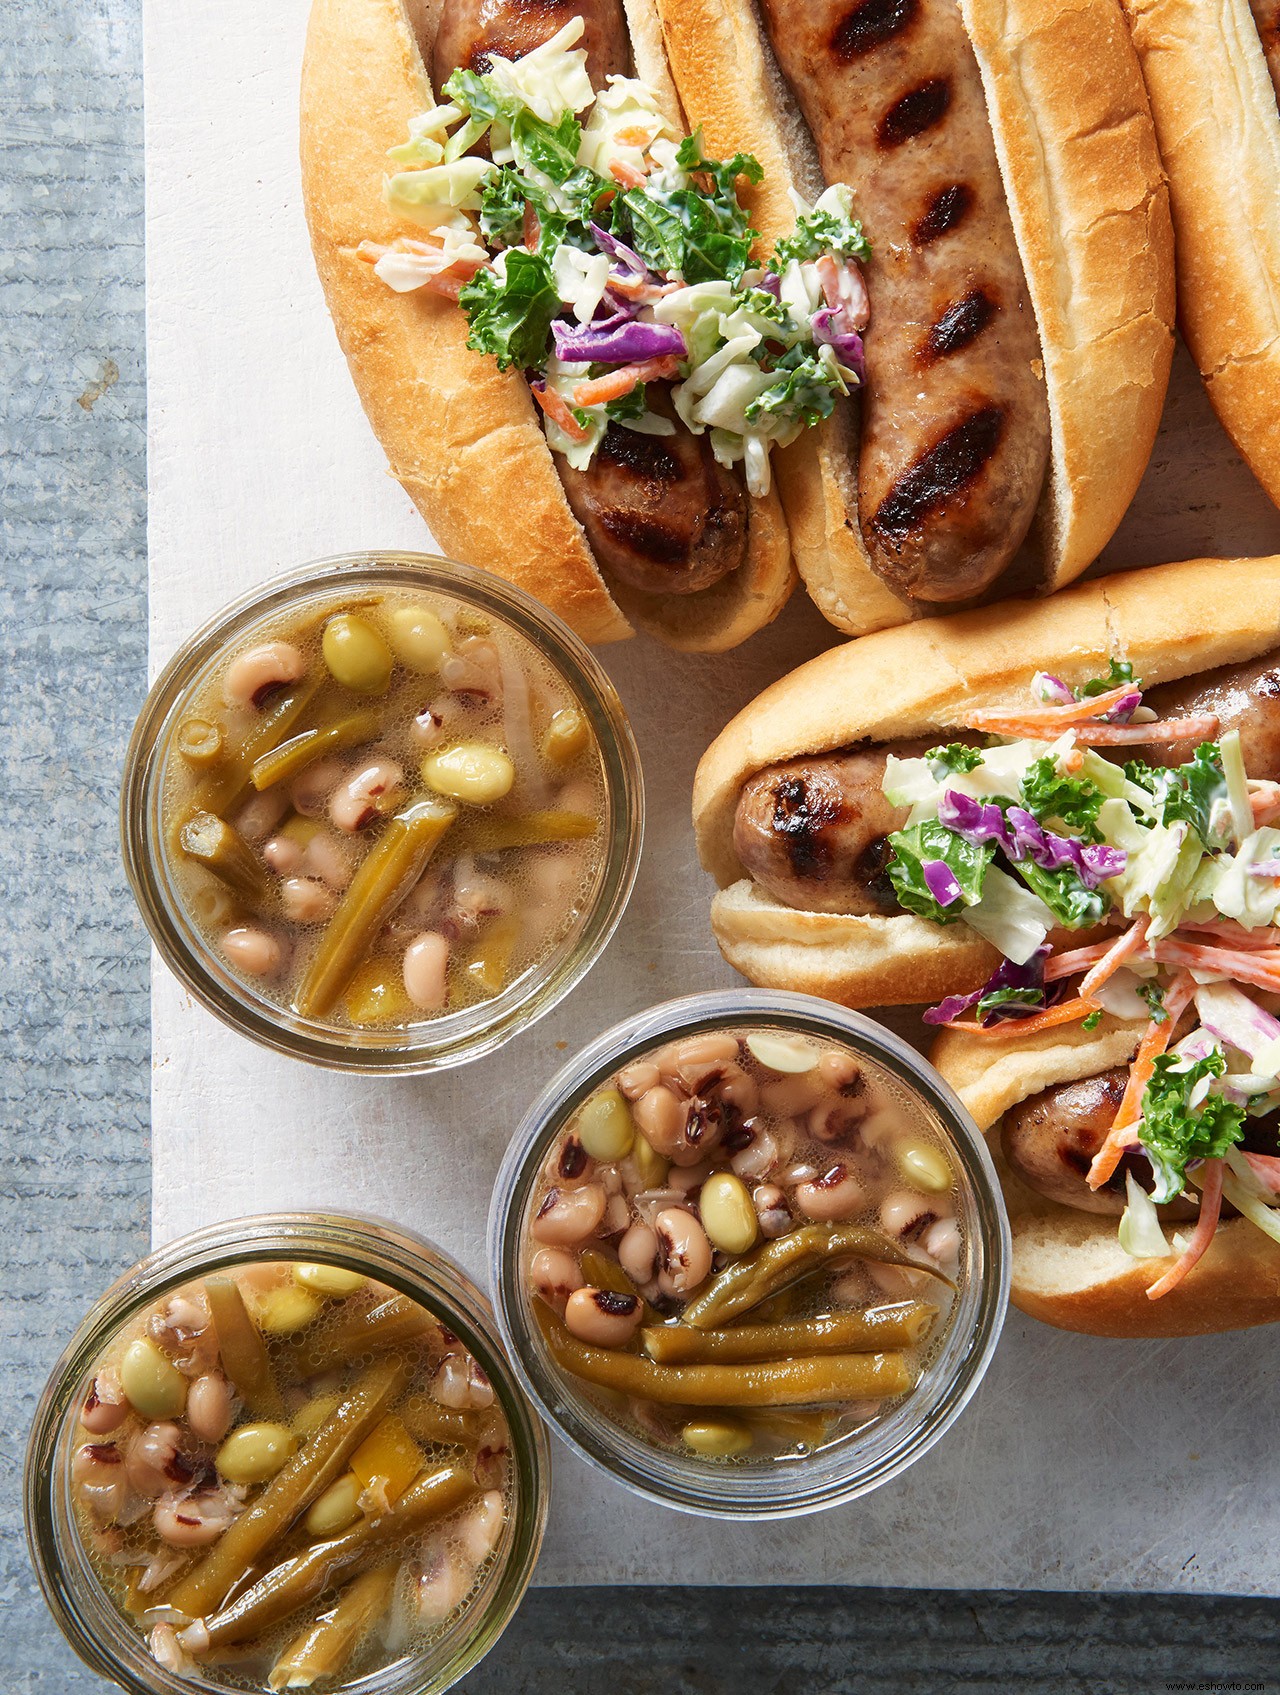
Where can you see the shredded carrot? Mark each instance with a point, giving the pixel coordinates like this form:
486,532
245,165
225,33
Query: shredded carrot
1046,717
531,227
1078,959
829,279
1259,967
635,288
557,409
598,390
1066,1013
625,174
1170,730
1265,937
1206,1224
1073,761
636,136
1155,1040
1124,948
1265,803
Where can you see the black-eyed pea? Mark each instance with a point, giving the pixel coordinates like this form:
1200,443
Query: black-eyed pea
429,728
373,790
305,900
480,1528
554,1274
602,1317
255,952
195,1520
728,1215
836,1118
329,859
155,1459
638,1253
283,855
716,1438
904,1212
834,1194
604,1126
573,1164
442,1586
418,638
336,1510
740,1091
773,1213
684,1252
692,1060
838,1070
476,773
426,970
255,1452
473,672
460,1382
210,1406
616,1215
285,1310
660,1118
792,1096
260,672
755,1156
941,1241
100,1480
152,1384
638,1077
356,655
259,815
105,1407
924,1166
310,790
568,1216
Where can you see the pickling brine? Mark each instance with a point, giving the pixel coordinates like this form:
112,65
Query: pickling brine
287,1474
746,1244
383,807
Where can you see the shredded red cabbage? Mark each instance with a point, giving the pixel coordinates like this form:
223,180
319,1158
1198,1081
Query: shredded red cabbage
1052,690
832,326
1007,975
941,880
625,255
771,283
625,345
1020,834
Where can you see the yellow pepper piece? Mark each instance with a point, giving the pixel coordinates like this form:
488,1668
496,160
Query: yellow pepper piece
377,995
388,1459
489,963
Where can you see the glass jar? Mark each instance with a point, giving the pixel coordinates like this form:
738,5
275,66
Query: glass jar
851,1464
428,1042
90,1619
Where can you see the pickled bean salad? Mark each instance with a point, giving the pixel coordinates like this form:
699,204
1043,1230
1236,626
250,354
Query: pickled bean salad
287,1475
745,1245
383,808
593,247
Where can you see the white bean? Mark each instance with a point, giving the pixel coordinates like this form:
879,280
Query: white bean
569,1216
258,817
255,952
426,970
684,1253
310,790
210,1405
306,900
283,855
638,1253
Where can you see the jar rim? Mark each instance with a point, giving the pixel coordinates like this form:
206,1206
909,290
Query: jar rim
411,1264
455,1039
794,1487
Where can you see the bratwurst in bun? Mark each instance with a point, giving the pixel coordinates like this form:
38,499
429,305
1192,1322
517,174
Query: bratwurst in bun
1080,864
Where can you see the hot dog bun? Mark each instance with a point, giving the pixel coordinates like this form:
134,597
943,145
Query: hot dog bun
1218,125
1090,212
1170,621
461,436
1069,1269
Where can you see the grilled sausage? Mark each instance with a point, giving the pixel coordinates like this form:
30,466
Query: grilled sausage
1051,1138
470,30
811,831
658,511
1266,14
955,423
1244,697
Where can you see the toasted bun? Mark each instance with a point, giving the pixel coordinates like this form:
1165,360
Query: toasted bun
1218,126
1069,1269
461,436
1169,620
1090,213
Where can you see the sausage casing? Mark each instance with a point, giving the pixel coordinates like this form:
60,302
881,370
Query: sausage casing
1242,697
471,30
955,424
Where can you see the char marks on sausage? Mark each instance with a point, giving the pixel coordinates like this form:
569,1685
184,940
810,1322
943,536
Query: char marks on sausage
955,425
658,512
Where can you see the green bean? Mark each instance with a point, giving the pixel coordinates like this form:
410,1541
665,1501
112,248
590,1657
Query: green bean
773,1265
300,1579
839,1332
218,846
428,1421
806,1430
317,1464
326,1647
384,1326
227,785
601,1272
244,1353
386,875
765,1383
200,741
284,762
530,829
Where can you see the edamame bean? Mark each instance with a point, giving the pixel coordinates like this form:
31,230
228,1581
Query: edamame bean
716,1438
728,1215
255,1452
923,1166
356,654
476,772
332,1280
286,1310
567,736
418,638
336,1509
152,1383
604,1126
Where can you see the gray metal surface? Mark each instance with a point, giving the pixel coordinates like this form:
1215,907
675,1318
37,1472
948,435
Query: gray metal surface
74,1072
